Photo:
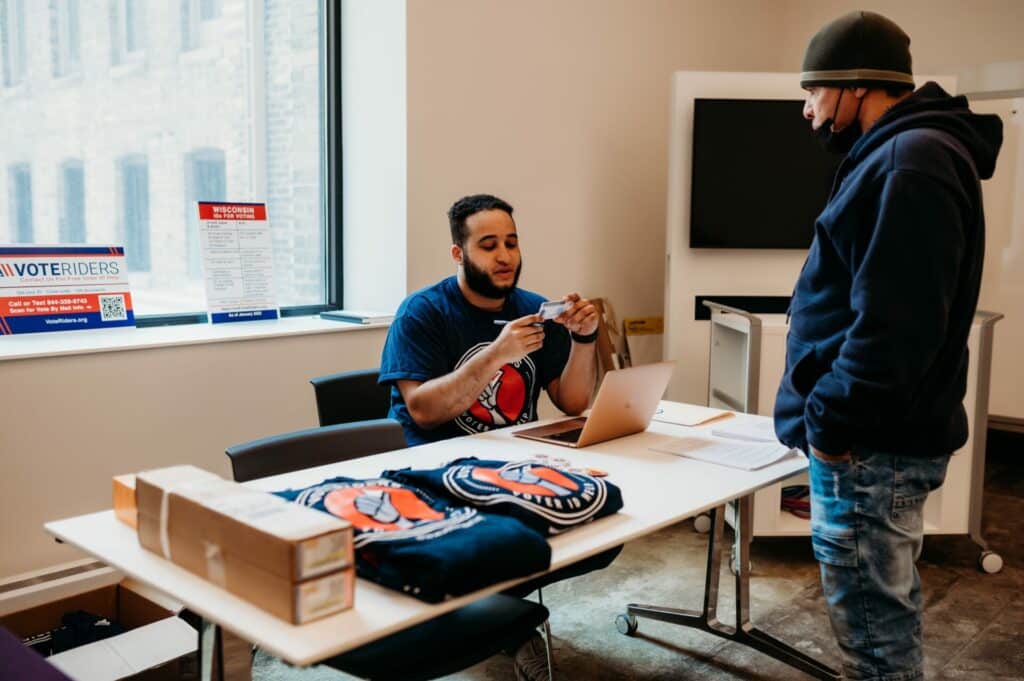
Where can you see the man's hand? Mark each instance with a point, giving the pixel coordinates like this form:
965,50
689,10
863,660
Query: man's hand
580,317
830,458
519,338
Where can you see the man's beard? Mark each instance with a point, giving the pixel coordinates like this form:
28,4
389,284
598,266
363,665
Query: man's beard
480,282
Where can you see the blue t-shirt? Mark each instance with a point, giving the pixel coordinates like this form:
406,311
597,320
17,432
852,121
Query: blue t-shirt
412,541
436,330
548,499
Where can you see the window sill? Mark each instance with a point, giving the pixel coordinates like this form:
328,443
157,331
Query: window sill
56,344
69,79
200,54
12,91
131,66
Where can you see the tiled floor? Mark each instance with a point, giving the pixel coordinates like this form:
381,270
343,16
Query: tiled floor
974,622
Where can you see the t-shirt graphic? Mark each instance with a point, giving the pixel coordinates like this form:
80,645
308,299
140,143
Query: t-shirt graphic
505,400
548,499
436,330
412,541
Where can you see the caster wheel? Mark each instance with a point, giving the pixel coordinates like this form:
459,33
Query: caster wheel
702,523
990,562
626,624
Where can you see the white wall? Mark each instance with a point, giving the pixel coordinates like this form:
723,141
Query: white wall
72,422
374,157
693,272
563,109
1002,287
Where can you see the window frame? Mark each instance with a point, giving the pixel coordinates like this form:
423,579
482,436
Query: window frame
65,224
120,27
12,43
17,206
330,180
65,22
130,169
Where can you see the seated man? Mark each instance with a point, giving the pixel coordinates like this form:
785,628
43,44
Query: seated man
470,354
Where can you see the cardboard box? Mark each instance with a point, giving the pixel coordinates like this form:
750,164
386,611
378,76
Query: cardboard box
157,645
292,561
124,500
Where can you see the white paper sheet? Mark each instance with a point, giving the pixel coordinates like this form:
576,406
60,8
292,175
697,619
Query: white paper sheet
747,456
687,414
748,428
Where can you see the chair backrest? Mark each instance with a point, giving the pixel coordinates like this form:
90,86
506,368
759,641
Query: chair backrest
350,396
313,447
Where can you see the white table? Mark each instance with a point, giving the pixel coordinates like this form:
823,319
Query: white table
658,490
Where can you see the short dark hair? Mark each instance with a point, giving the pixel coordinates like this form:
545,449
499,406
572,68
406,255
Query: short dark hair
471,205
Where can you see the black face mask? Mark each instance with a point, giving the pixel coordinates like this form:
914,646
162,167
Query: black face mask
842,141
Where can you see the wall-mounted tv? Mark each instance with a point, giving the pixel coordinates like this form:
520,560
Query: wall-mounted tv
759,178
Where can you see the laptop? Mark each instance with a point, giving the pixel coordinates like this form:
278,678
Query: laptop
625,403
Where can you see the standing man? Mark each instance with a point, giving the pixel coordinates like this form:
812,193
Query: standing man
876,356
470,353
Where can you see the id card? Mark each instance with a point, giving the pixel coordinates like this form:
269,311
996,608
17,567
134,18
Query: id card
552,309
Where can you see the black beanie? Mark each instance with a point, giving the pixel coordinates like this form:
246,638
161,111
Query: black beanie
859,49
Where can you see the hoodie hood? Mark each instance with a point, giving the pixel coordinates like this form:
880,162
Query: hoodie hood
932,107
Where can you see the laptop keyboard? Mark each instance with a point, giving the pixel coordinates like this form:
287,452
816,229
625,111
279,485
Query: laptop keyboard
567,436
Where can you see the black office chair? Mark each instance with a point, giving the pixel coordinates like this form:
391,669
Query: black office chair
441,646
313,447
350,396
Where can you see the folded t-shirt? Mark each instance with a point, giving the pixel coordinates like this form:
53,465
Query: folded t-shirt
412,541
548,499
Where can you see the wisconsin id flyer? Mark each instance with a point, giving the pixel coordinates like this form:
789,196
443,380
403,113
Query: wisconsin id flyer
238,262
63,288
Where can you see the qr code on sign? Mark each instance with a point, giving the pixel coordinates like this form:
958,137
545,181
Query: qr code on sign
112,309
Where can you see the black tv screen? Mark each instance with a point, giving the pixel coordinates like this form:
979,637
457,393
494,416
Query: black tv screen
759,176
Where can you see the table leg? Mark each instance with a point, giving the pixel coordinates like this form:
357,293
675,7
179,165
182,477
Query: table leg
744,632
222,655
210,668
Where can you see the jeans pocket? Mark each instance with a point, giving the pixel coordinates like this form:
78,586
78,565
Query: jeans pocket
914,479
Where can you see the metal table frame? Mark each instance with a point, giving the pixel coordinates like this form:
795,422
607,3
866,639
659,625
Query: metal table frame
744,632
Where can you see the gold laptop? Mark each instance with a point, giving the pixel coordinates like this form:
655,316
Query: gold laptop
625,403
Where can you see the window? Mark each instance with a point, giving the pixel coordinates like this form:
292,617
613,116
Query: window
205,180
20,200
196,16
134,174
126,157
64,37
12,35
72,203
209,9
127,31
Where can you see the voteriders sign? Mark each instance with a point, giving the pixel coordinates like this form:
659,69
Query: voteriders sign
63,288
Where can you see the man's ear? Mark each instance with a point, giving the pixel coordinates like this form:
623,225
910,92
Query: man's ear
457,253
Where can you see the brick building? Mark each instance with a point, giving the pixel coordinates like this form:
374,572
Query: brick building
117,115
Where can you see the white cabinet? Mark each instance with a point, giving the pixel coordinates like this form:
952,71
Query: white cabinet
747,358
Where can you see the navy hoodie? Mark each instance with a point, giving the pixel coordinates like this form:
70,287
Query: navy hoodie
876,355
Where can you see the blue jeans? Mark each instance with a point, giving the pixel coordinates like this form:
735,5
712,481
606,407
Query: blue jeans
866,529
